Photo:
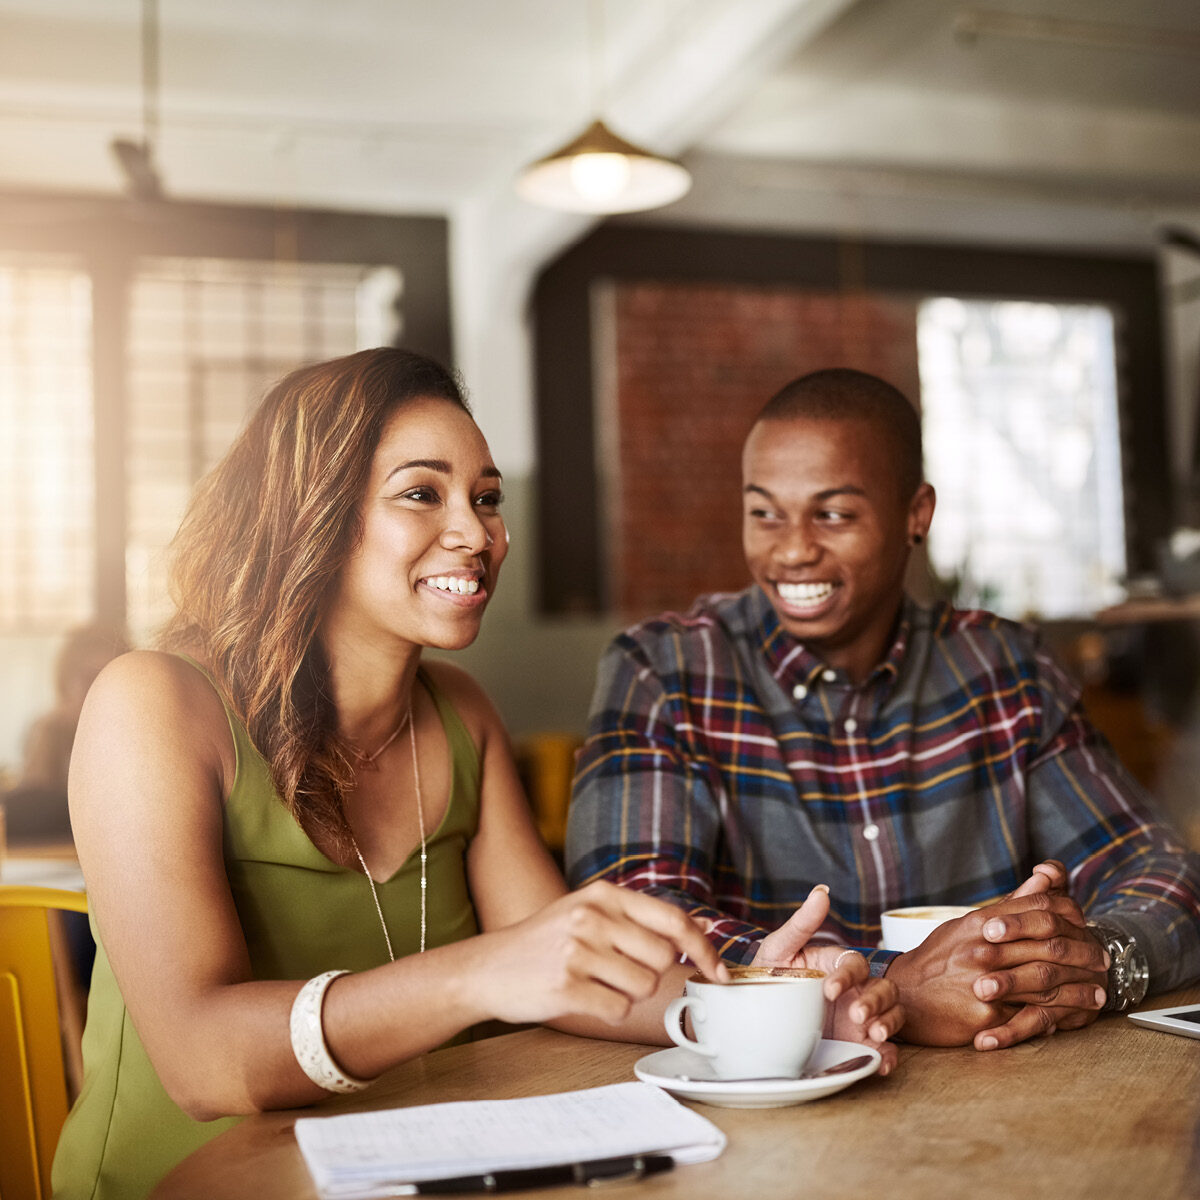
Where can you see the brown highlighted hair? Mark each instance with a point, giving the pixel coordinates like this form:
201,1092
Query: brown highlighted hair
264,539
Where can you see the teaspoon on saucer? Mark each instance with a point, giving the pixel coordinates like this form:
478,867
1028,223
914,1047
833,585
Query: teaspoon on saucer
849,1064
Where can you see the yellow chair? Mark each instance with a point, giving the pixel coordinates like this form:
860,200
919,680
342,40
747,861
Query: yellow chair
33,1089
546,763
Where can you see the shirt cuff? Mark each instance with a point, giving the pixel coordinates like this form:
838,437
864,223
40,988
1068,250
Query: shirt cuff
878,960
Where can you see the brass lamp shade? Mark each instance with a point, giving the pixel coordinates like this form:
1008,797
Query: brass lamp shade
599,172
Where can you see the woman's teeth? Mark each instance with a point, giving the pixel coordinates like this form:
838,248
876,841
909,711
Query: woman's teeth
452,583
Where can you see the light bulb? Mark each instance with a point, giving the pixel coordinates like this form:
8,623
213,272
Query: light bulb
598,172
599,177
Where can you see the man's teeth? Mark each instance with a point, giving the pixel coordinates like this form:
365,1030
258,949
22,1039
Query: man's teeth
453,583
804,593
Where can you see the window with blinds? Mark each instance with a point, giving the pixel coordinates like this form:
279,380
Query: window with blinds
207,337
47,479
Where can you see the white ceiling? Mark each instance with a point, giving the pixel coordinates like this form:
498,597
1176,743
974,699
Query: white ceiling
410,106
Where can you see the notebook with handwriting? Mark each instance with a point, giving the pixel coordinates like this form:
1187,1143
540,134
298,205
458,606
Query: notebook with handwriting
380,1153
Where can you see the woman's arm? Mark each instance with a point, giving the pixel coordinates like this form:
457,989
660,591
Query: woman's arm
153,764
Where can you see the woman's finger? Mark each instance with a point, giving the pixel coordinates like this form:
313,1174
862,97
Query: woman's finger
654,951
875,997
664,919
779,948
890,1056
844,969
607,966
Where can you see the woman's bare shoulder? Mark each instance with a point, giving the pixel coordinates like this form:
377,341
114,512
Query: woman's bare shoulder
152,676
158,693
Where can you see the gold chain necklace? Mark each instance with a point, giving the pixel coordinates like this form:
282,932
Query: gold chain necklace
412,731
368,760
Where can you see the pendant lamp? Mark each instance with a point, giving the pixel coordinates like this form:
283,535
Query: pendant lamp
599,172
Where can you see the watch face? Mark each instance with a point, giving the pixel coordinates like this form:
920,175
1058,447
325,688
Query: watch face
1139,982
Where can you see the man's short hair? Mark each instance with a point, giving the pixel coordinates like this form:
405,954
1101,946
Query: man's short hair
842,394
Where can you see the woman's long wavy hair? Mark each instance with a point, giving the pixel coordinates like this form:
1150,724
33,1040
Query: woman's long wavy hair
261,546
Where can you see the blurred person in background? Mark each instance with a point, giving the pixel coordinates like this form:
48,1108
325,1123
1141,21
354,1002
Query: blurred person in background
36,807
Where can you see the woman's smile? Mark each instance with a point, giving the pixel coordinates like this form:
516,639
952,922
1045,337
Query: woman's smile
467,590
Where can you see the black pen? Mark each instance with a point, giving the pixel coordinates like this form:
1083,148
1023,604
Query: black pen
601,1170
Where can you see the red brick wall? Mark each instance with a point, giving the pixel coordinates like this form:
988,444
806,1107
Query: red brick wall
694,364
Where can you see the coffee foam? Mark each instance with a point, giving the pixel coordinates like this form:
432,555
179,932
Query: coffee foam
936,913
742,975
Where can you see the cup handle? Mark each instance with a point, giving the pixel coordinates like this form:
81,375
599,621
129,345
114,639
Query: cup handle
673,1022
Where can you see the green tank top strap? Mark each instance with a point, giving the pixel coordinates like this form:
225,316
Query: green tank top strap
463,753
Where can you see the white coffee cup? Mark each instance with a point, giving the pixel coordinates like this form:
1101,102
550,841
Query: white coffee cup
764,1022
906,928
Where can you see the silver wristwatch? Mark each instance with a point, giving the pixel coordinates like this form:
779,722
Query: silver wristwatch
1129,972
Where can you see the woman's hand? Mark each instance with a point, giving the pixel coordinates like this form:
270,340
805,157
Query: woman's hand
861,1009
593,953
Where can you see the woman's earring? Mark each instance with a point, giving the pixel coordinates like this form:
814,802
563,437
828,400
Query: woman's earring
917,539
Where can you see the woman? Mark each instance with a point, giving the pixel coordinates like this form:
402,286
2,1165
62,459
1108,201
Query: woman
285,793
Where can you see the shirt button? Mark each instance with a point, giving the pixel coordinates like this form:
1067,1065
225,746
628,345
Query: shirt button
829,675
799,691
871,832
851,725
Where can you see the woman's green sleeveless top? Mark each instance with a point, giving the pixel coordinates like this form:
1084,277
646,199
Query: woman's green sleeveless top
301,914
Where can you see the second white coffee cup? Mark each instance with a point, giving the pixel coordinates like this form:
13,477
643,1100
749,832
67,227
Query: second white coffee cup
906,928
757,1025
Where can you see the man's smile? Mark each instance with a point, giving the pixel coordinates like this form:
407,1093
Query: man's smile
805,599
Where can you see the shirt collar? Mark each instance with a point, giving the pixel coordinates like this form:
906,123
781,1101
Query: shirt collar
791,662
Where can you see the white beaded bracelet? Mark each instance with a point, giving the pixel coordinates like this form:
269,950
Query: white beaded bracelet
308,1038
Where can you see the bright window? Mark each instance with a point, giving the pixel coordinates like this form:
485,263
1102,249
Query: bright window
1022,443
207,337
47,479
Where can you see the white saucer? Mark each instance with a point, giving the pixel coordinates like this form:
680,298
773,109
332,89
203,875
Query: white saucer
691,1077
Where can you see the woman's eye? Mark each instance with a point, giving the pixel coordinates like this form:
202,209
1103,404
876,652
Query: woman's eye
421,495
763,514
833,517
489,500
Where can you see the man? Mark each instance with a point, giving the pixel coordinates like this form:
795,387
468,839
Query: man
821,727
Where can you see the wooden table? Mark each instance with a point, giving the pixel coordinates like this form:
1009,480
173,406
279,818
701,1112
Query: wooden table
1110,1111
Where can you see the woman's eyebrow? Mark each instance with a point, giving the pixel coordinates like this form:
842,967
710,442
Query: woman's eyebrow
440,465
430,464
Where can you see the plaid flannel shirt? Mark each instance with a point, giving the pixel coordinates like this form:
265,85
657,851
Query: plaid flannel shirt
728,770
